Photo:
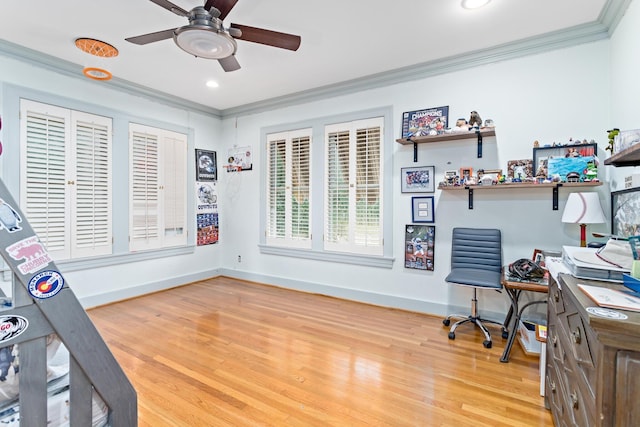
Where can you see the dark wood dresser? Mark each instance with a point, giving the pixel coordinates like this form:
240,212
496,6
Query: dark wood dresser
593,362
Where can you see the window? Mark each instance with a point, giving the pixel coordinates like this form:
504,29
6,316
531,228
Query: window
353,190
65,160
288,188
158,200
323,189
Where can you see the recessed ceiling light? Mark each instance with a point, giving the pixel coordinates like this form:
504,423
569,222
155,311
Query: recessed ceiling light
212,83
474,4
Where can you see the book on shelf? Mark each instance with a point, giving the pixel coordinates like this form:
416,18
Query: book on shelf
611,298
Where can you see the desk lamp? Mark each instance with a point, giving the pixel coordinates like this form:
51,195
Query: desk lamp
583,209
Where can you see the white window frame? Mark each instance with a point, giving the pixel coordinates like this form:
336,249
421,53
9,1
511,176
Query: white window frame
287,237
318,251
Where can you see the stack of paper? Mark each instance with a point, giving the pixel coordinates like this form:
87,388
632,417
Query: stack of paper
611,298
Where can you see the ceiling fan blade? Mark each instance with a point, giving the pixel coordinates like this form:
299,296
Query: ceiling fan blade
151,37
230,63
224,6
171,7
268,37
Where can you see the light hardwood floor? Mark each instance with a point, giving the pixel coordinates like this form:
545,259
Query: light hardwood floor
225,352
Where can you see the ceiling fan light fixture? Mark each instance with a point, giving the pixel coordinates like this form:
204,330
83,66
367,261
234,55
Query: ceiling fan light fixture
474,4
204,42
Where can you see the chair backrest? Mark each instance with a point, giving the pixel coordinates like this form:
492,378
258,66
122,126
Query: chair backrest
479,248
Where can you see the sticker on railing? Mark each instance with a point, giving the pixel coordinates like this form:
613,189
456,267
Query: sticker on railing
30,250
45,284
12,326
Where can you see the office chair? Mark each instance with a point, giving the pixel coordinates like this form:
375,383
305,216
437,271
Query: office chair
476,261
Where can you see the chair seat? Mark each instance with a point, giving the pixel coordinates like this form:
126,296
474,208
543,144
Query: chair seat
475,277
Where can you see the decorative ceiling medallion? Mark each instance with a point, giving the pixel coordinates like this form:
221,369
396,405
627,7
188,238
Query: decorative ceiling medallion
97,73
96,47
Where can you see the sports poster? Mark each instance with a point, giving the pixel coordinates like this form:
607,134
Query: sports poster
207,213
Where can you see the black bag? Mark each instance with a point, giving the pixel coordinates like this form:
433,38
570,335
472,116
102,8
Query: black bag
526,269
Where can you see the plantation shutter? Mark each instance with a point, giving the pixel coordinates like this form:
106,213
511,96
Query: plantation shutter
288,188
92,230
174,184
158,188
45,130
337,189
66,179
276,197
300,187
353,218
368,221
145,197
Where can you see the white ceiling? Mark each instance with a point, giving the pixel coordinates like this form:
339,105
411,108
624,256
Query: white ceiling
342,40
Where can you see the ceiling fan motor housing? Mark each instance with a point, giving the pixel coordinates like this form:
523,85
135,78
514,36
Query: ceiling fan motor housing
204,37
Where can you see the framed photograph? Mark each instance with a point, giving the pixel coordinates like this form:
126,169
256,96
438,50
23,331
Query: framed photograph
422,209
429,121
419,246
420,179
206,165
466,173
520,169
562,159
625,212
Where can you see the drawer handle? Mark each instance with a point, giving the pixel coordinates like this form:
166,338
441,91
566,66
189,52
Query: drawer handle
574,400
556,296
552,386
554,339
576,336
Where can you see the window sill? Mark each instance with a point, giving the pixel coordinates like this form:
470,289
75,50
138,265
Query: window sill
124,258
341,257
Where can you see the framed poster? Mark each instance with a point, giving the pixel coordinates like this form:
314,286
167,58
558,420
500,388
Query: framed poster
418,179
625,212
206,165
562,159
419,246
422,209
429,121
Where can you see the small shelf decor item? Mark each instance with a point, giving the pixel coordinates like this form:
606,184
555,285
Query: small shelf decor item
422,209
419,179
519,170
429,121
419,246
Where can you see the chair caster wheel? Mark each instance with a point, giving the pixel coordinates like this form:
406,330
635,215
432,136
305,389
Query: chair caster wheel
505,334
486,344
452,335
446,322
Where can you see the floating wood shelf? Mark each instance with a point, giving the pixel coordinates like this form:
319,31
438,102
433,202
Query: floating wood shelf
521,186
628,157
478,135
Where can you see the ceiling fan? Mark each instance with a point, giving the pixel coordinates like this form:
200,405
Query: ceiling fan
206,37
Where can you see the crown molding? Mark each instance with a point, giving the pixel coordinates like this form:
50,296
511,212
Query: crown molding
67,68
569,37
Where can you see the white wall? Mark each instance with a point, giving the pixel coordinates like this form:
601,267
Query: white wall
547,97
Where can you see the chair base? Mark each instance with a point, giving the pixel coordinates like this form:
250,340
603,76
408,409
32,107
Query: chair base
475,320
